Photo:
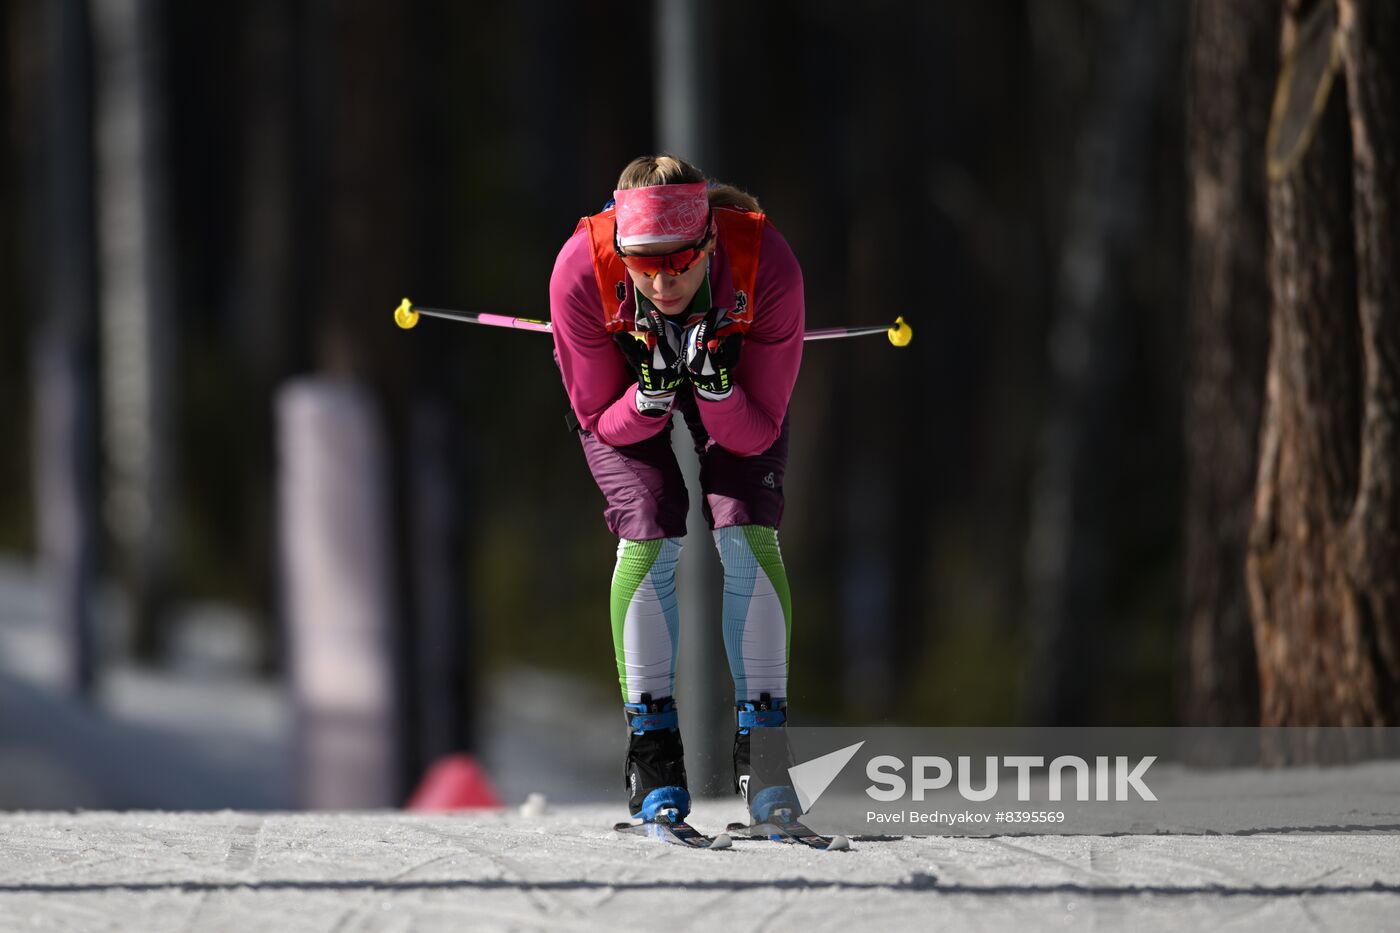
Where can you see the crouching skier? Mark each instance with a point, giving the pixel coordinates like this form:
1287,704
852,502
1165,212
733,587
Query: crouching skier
682,296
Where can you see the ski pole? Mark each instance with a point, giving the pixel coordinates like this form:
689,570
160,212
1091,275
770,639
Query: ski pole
406,316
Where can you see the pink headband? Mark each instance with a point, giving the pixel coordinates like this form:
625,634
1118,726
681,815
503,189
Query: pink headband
661,213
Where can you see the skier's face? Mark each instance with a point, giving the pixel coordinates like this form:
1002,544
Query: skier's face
670,293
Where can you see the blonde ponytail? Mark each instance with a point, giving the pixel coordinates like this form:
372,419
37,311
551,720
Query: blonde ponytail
730,196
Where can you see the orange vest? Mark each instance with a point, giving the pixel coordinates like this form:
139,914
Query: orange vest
741,233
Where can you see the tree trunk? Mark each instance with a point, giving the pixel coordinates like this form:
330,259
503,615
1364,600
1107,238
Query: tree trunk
1370,48
65,393
1069,549
1323,548
685,38
1230,79
136,274
271,338
371,191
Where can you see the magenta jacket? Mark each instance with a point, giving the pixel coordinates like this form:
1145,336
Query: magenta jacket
600,383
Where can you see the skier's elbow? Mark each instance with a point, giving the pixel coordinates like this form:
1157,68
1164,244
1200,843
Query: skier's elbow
752,446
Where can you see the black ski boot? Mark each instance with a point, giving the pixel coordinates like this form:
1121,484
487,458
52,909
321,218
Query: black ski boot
655,767
766,789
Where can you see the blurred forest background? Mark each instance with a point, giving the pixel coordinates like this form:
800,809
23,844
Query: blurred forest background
1037,512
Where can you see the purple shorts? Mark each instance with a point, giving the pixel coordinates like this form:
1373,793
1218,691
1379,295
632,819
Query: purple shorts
646,493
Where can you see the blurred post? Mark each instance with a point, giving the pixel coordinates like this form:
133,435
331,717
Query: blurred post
65,364
136,275
338,582
683,36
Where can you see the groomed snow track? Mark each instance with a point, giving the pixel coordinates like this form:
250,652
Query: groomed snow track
385,871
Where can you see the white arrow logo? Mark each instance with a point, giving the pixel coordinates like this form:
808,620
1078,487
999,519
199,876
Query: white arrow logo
812,778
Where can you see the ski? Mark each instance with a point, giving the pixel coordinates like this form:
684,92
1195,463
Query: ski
676,832
792,832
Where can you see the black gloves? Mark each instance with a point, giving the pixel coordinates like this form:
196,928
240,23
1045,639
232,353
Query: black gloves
654,355
710,360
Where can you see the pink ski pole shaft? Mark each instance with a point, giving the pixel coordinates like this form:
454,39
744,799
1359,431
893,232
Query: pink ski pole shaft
406,316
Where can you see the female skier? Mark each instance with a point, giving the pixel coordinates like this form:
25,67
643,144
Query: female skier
680,295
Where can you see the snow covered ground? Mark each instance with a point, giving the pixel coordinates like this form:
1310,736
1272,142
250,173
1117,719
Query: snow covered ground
238,871
209,737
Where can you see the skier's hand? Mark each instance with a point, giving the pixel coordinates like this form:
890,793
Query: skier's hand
654,355
710,360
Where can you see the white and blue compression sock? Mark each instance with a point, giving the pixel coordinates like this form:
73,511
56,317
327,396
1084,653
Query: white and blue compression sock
757,610
645,617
